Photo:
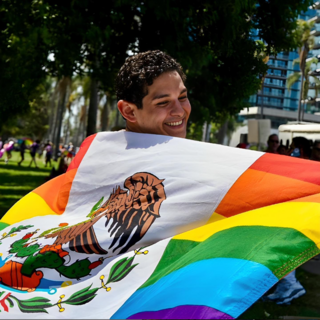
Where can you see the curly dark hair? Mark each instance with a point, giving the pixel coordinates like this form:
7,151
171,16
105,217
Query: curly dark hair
139,72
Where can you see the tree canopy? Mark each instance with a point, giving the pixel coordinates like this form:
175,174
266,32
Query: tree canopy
213,41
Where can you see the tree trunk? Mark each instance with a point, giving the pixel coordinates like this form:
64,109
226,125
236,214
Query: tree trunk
300,98
105,114
222,133
117,117
53,113
61,106
93,108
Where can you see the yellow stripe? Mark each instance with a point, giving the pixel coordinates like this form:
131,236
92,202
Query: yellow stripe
29,206
216,217
304,217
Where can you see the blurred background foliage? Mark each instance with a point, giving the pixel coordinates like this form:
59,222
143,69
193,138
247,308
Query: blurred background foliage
59,59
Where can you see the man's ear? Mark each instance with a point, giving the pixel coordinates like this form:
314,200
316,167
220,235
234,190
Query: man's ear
127,110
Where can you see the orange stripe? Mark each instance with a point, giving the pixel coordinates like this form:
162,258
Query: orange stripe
300,169
81,153
256,189
56,191
314,198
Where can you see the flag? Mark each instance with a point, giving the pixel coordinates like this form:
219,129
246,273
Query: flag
153,227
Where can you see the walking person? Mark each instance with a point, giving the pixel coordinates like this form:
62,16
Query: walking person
48,150
22,151
8,148
33,150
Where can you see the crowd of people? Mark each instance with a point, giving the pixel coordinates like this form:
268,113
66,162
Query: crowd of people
39,151
300,147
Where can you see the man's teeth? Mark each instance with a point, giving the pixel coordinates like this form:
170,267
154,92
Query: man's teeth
174,123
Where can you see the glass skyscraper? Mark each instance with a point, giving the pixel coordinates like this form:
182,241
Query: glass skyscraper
275,100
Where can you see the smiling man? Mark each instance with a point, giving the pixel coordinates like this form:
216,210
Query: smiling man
152,96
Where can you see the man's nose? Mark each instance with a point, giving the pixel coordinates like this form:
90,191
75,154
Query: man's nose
177,109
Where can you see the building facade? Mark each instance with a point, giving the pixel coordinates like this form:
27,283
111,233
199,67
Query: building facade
275,100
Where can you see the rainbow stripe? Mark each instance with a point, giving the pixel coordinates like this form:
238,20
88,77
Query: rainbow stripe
50,198
219,270
265,227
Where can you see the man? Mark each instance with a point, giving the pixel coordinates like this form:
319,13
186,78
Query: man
152,95
273,144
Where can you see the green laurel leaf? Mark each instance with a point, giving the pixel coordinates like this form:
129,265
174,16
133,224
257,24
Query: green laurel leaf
95,207
125,273
33,305
82,298
74,295
118,268
10,302
18,229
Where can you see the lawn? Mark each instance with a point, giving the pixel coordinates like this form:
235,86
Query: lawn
15,181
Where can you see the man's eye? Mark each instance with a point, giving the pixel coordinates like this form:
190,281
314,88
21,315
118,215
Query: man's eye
162,103
183,98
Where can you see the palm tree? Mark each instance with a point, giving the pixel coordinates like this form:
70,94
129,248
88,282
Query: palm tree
296,76
306,42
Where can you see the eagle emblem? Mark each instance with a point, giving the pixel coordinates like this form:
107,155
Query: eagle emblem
129,214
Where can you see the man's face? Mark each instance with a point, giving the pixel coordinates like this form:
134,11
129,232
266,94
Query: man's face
273,143
166,108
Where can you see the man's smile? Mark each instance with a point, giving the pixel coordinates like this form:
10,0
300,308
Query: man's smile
175,123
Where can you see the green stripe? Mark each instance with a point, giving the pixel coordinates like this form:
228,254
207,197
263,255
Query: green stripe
279,249
3,225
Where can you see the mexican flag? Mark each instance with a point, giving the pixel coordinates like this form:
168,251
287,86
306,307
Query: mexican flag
154,227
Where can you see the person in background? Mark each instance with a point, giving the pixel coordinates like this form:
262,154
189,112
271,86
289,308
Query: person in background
1,143
316,151
243,145
40,150
273,143
48,150
300,148
62,168
71,153
33,150
22,151
282,150
8,147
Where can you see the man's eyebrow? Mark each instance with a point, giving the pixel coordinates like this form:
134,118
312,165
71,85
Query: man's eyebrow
183,91
159,96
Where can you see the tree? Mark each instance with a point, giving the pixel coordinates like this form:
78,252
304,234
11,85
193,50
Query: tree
34,122
21,56
212,40
305,43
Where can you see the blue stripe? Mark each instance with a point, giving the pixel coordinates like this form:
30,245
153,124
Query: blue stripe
226,284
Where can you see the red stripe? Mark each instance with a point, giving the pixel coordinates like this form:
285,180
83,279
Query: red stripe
295,168
81,153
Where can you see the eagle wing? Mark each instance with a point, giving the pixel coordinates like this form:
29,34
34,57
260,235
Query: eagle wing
131,214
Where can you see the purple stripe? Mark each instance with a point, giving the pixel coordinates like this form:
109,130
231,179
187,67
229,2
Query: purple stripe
183,312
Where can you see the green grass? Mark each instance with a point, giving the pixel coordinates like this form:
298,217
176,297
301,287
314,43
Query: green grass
15,181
